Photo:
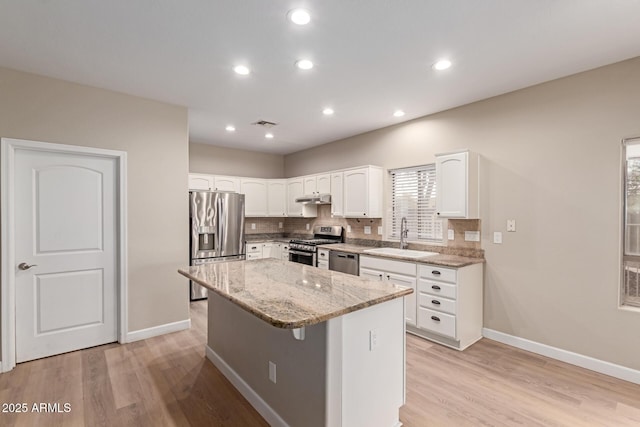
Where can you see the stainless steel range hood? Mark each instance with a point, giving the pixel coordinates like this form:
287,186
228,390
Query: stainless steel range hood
315,199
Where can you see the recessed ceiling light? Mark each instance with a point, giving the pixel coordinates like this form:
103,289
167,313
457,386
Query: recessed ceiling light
299,16
398,113
243,70
442,64
230,128
327,111
268,135
304,64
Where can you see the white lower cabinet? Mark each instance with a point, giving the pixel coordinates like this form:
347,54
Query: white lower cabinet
396,272
254,250
446,304
450,305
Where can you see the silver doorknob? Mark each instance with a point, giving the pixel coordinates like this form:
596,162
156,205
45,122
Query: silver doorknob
25,266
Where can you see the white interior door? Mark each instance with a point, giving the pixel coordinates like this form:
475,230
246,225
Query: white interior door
65,210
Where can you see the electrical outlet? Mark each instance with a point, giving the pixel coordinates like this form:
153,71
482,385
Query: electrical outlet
374,339
451,235
380,230
272,372
253,226
367,229
279,225
348,229
308,226
472,236
497,237
511,225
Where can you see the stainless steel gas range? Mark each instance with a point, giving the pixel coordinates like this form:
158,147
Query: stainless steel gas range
305,251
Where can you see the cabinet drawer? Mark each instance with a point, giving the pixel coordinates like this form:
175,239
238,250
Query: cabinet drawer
253,255
437,273
437,322
323,265
390,266
437,288
437,303
323,254
255,248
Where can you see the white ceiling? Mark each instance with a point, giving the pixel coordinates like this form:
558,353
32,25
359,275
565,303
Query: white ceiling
371,56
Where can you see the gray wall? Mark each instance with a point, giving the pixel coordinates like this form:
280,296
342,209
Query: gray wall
248,344
204,158
552,162
155,137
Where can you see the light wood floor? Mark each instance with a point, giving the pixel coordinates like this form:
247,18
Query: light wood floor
166,381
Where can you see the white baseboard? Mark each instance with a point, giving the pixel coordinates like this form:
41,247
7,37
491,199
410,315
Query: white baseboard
254,399
143,334
597,365
1,370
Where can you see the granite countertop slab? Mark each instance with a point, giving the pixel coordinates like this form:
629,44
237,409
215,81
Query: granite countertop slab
291,295
443,260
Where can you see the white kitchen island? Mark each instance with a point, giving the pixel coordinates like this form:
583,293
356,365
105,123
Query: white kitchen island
305,346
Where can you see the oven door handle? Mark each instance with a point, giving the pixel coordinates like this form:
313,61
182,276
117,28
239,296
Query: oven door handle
308,254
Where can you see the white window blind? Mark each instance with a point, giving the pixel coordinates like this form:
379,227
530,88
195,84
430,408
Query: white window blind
413,195
631,256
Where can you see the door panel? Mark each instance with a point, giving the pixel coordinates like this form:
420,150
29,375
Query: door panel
55,314
65,223
82,225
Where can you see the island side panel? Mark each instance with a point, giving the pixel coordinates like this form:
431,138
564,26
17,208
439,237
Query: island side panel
247,344
372,367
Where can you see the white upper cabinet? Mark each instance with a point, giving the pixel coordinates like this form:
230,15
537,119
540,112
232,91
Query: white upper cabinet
317,184
226,183
310,184
323,183
255,196
277,197
457,180
363,192
337,193
200,182
295,189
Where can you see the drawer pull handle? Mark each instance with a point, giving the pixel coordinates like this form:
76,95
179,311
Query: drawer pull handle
436,287
435,301
388,277
436,318
435,272
380,275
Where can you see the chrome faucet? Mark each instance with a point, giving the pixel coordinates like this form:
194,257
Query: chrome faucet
404,232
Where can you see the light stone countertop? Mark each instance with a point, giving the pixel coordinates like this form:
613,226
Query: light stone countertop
443,260
291,295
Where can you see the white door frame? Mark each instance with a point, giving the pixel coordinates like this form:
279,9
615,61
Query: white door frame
8,315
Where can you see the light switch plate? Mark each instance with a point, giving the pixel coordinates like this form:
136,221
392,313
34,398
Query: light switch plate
308,226
253,226
380,230
374,339
279,225
451,234
348,229
497,237
367,229
472,236
272,372
511,225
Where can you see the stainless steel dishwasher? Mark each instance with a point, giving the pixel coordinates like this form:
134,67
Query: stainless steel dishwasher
344,262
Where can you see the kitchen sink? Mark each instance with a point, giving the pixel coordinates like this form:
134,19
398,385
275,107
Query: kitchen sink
400,252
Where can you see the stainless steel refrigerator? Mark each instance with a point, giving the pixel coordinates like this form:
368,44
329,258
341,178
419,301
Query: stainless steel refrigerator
216,231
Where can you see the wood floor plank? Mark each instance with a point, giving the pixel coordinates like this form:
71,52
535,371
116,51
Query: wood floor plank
167,381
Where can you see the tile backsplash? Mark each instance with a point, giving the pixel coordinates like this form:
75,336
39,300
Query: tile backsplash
298,226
